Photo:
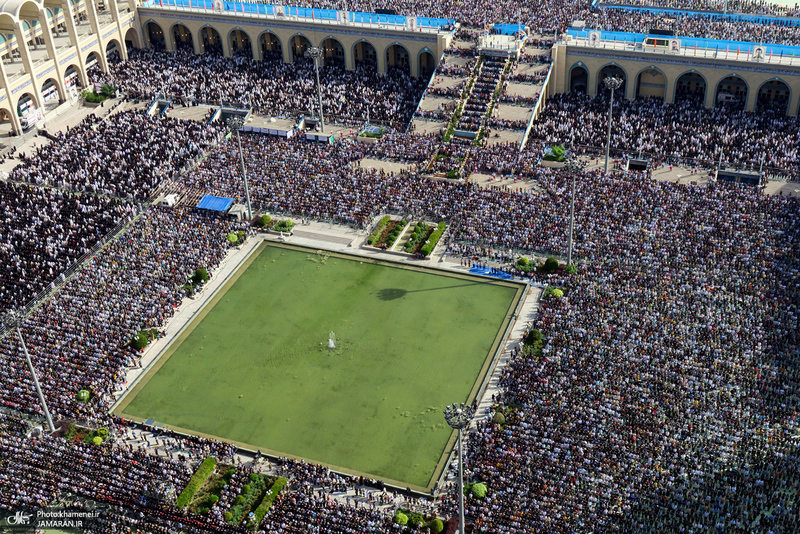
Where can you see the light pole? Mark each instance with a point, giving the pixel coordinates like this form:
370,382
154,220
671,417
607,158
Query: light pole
316,53
573,166
235,123
458,416
612,83
14,319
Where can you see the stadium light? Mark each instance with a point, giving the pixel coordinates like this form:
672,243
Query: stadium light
316,54
458,417
612,83
235,123
573,166
14,319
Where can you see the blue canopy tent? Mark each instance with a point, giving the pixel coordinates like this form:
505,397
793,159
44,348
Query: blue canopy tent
212,203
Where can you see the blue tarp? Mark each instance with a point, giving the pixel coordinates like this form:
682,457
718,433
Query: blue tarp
733,17
212,203
487,271
508,29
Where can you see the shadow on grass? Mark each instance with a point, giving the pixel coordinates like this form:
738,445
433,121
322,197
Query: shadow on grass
393,293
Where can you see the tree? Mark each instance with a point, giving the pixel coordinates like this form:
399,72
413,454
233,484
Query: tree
400,518
139,341
533,336
550,265
479,490
264,220
571,269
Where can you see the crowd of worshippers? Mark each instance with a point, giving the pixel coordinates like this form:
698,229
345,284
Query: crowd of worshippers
683,132
269,87
670,356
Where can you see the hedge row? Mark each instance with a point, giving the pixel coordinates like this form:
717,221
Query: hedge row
200,476
269,498
378,232
433,239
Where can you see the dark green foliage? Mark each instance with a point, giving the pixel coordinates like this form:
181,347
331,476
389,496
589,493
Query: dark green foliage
245,489
139,341
264,221
571,269
533,336
498,418
248,500
200,276
283,226
92,97
436,526
525,265
452,174
418,237
433,239
227,516
550,265
107,90
376,234
557,153
200,476
415,519
269,498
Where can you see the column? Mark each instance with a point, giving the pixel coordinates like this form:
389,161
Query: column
9,103
752,95
22,46
69,22
91,11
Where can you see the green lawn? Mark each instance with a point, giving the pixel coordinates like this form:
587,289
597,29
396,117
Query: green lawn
256,369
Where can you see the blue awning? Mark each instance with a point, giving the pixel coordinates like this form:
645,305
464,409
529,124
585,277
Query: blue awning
212,203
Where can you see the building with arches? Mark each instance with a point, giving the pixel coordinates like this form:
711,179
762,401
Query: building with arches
711,75
346,39
47,47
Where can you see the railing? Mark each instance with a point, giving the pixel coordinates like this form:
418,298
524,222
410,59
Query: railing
537,108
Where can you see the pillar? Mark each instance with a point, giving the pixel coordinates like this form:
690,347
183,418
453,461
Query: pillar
69,22
752,95
794,102
91,12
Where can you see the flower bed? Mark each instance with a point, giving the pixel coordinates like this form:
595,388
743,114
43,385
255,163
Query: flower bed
209,492
432,240
386,234
418,237
249,498
200,476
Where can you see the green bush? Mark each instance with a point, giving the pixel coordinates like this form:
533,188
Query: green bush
533,336
553,292
378,232
264,221
498,418
83,395
452,174
400,518
200,476
550,265
227,516
436,526
97,440
139,341
245,489
102,432
107,90
283,226
433,239
239,499
415,519
523,264
479,490
253,477
571,269
92,97
200,276
269,498
214,498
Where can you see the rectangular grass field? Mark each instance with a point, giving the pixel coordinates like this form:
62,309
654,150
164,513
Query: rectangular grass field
255,368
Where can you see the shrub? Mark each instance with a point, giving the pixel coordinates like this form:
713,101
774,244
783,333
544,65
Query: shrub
428,247
107,90
253,477
523,264
479,490
415,519
246,489
92,97
558,293
227,516
264,221
139,341
214,498
102,432
550,265
269,498
83,395
200,276
283,226
452,174
378,232
200,476
571,269
533,336
239,499
97,440
400,518
436,526
499,418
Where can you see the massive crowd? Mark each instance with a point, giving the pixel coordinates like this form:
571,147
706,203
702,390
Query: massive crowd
270,87
665,397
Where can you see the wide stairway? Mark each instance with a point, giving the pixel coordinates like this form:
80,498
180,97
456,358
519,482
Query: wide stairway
478,102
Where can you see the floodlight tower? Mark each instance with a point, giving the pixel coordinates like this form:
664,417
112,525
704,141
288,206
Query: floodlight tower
14,319
316,54
235,123
573,166
612,83
458,416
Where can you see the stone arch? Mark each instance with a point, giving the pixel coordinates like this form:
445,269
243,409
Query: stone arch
397,57
270,45
73,77
690,85
181,36
651,82
52,91
6,118
426,63
94,59
608,70
364,53
155,35
333,51
299,44
240,43
210,40
579,79
113,51
732,90
774,94
132,39
26,104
